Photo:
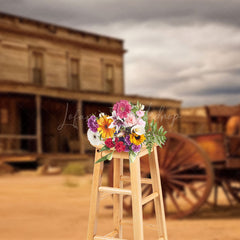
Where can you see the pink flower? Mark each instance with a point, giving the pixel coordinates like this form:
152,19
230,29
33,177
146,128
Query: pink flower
140,113
141,122
122,108
130,120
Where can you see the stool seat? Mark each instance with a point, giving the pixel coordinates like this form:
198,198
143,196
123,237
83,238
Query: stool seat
118,192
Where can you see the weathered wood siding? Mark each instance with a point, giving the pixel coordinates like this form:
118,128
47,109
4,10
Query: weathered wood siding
19,38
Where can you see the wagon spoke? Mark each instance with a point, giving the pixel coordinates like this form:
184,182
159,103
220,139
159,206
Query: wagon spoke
179,183
184,168
233,187
174,202
200,187
183,184
181,194
190,176
169,160
182,159
164,153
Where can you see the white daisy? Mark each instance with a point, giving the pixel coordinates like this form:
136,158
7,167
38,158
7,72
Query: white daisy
138,129
94,138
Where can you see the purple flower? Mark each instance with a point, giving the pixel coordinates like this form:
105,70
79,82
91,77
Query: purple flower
136,148
92,123
126,148
127,140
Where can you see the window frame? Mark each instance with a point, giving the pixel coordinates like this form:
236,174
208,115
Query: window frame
41,52
70,84
106,63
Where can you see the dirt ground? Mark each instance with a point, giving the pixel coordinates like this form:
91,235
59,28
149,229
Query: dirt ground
36,207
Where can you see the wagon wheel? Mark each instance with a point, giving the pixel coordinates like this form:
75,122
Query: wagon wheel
186,176
233,187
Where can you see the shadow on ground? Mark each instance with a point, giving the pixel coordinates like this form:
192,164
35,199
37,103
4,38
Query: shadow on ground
221,212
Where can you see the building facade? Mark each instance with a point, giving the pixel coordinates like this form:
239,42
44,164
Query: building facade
51,79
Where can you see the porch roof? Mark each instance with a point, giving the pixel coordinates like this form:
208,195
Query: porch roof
88,96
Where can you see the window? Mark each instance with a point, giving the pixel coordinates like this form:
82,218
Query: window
108,81
74,74
37,71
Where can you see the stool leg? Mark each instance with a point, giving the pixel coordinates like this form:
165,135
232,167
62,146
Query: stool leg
117,198
94,201
136,199
158,202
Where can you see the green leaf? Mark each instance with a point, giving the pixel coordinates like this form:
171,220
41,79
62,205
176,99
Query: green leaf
104,148
106,157
132,156
151,124
154,127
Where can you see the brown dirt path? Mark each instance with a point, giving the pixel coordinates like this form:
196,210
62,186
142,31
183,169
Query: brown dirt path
56,208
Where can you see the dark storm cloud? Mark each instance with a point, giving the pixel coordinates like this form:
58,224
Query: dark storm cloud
181,49
217,90
176,12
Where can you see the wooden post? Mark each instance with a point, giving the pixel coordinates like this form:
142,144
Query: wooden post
157,187
117,198
94,200
80,128
136,199
38,124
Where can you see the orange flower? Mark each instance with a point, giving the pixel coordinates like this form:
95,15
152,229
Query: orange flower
103,128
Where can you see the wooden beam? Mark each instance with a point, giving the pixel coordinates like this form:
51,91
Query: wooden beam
80,127
38,124
18,136
111,190
143,180
149,198
13,87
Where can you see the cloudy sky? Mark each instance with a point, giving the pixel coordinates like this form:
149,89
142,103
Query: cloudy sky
181,49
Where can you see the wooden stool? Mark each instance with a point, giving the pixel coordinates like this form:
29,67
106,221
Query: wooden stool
136,193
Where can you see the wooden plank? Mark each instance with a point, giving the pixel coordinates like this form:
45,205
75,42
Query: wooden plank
111,190
80,127
149,198
18,136
14,158
111,234
233,163
39,124
107,238
136,199
143,180
94,201
158,201
117,199
7,87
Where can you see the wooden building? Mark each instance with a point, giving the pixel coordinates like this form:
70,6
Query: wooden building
207,119
51,79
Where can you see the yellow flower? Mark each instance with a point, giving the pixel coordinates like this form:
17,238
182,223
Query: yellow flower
103,128
137,139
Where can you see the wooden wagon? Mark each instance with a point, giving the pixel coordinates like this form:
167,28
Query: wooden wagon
193,166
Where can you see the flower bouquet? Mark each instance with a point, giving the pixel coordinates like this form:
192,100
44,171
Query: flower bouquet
126,130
